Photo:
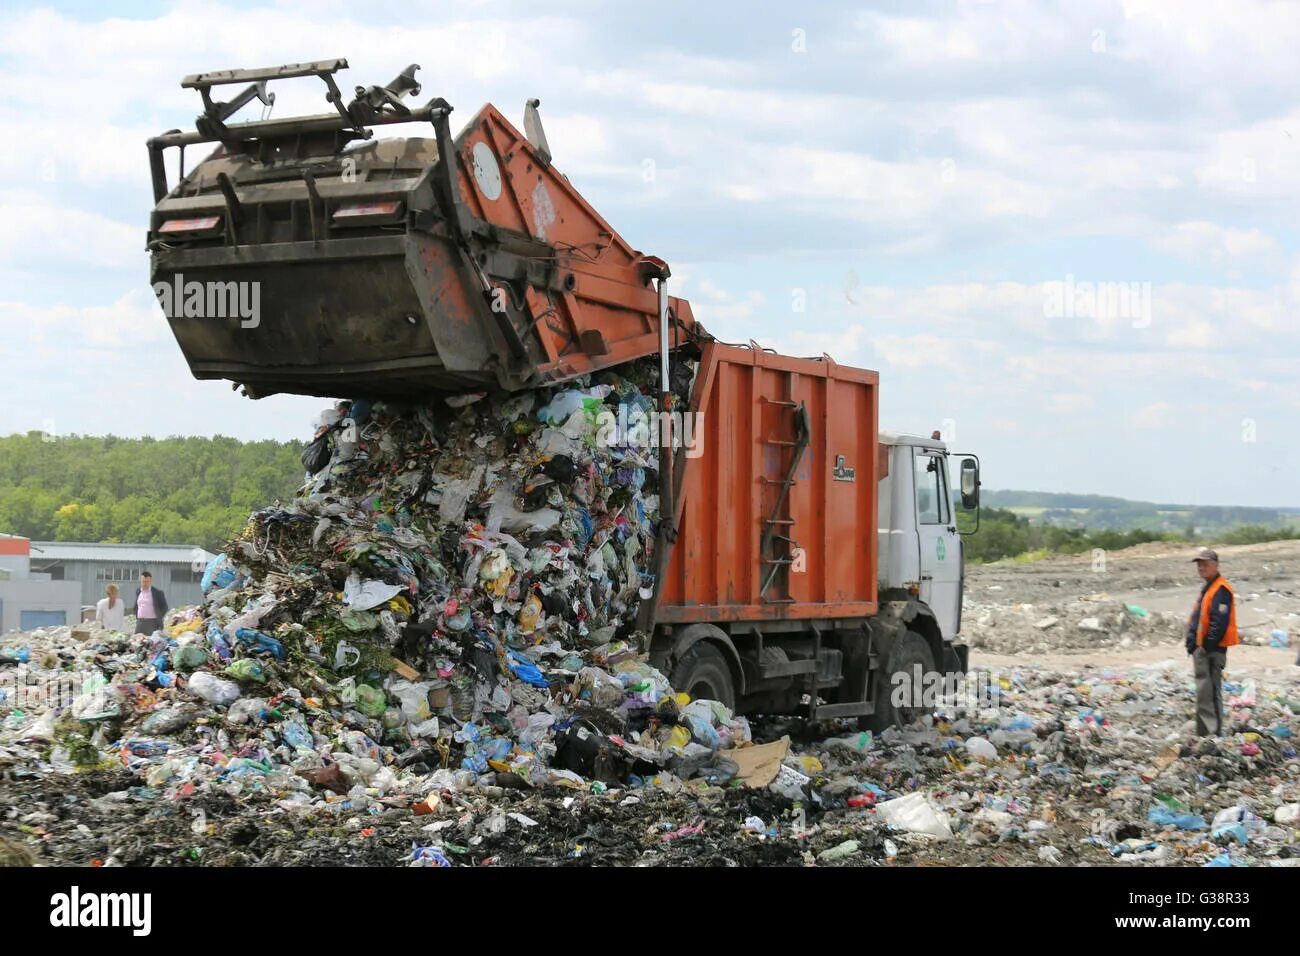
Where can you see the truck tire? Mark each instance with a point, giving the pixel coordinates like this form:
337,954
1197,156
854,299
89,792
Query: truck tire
704,674
909,650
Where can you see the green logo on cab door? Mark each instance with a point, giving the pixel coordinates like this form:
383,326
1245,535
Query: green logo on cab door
941,549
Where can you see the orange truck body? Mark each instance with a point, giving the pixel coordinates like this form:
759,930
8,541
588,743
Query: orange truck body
746,400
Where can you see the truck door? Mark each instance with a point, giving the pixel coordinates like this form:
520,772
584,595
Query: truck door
940,545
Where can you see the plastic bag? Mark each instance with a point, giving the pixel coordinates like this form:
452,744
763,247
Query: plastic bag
525,670
261,642
1164,817
247,669
317,453
363,595
218,574
213,689
914,814
981,749
296,735
247,709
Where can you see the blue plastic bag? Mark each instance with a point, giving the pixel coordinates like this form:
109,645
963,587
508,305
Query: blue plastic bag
703,731
296,734
525,670
1236,831
1163,816
260,641
218,574
218,641
428,856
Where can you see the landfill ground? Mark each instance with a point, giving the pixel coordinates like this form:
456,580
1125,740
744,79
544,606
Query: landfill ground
1093,763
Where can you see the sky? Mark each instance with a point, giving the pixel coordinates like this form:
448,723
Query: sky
1065,234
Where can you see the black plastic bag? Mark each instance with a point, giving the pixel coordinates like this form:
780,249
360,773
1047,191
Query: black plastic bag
590,754
317,454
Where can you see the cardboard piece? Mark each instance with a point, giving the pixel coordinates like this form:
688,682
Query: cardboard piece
760,764
406,670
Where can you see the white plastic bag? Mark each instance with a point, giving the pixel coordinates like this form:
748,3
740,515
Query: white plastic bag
213,689
914,814
363,595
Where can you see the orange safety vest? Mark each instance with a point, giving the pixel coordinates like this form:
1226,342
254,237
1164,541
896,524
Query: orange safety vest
1203,626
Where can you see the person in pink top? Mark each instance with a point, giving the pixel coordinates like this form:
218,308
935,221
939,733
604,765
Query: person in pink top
150,605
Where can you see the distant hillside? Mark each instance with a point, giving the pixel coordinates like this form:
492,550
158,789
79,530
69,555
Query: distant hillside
1105,513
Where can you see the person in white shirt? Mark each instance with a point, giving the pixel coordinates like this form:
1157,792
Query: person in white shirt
111,610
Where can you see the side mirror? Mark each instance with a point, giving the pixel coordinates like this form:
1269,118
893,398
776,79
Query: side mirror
970,484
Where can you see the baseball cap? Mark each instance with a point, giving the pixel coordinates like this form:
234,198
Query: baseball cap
1206,554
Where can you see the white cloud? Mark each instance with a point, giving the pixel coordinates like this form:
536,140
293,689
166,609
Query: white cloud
1155,415
1066,403
1222,247
71,333
116,369
61,237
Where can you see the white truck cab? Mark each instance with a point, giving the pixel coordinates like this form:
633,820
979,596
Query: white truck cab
920,545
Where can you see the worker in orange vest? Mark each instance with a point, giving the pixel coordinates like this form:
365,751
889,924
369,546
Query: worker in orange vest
1211,630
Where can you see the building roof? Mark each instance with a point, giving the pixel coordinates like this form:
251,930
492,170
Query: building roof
134,553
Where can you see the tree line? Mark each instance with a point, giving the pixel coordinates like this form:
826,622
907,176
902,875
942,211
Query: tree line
200,491
1005,534
180,490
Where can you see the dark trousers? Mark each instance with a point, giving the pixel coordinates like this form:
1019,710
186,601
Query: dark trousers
1208,668
147,625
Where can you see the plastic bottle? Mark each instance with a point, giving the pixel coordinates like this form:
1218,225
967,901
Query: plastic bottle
218,641
462,696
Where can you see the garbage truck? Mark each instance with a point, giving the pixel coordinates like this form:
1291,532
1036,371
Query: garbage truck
805,561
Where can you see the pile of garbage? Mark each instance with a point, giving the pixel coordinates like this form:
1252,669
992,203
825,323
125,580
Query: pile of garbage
431,656
451,600
1052,767
1081,624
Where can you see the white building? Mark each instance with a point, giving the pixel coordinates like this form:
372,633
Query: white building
31,598
176,568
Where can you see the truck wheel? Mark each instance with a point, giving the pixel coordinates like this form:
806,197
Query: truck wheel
909,650
703,673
